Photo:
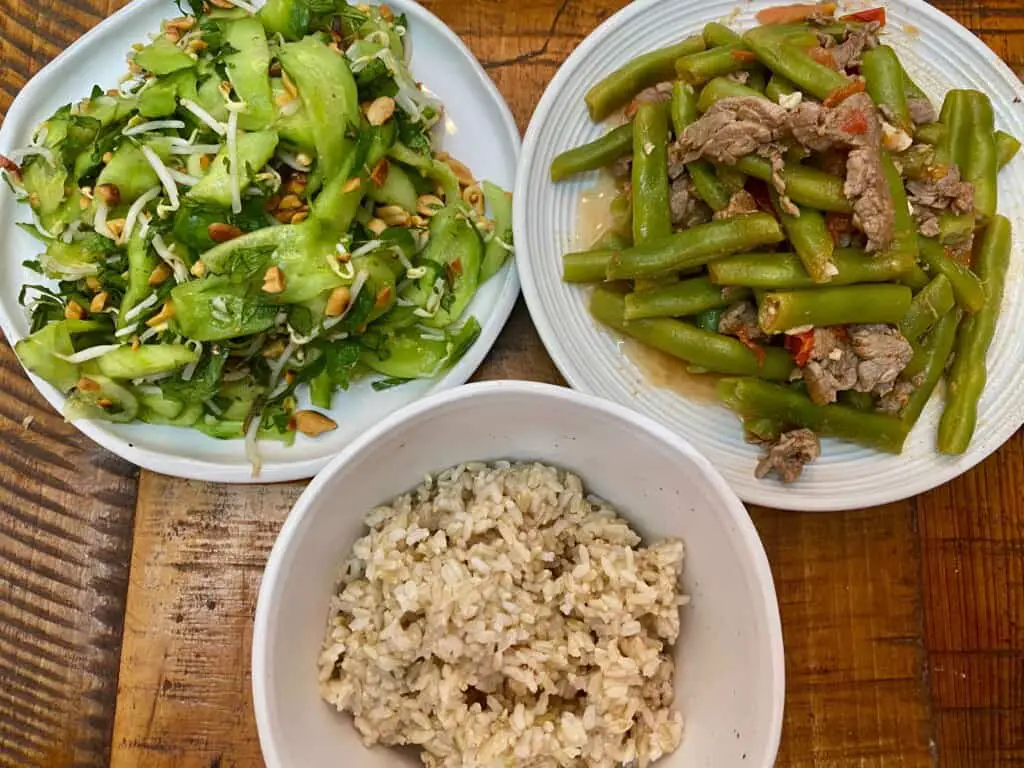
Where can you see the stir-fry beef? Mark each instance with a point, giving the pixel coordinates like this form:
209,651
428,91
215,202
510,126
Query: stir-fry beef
922,111
656,93
788,455
858,39
740,320
854,123
893,401
688,210
864,358
676,165
932,197
734,128
740,203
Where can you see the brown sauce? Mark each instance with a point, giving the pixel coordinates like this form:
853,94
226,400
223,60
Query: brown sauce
593,212
663,370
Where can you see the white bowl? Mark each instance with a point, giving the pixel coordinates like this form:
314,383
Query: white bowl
730,678
478,129
940,55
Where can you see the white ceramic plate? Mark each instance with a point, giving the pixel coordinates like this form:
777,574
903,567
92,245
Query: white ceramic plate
478,129
940,55
729,685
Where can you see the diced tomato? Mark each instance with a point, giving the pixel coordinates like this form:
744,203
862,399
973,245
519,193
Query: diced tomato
11,167
747,57
839,225
631,109
841,94
856,123
823,56
869,15
753,346
794,14
800,346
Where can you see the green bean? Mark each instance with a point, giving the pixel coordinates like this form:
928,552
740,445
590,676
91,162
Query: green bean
910,88
712,351
752,398
917,161
620,215
929,305
778,86
652,217
708,319
929,133
956,229
586,266
682,299
791,62
763,428
804,185
617,88
716,34
967,375
723,88
883,76
904,230
684,112
1007,147
695,247
914,278
810,239
967,288
880,303
757,79
732,179
930,362
956,119
595,154
862,401
786,271
980,161
715,62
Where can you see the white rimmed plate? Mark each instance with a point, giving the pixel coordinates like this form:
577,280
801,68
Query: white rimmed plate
940,54
478,129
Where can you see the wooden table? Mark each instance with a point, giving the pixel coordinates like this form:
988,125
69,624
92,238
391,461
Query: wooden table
126,598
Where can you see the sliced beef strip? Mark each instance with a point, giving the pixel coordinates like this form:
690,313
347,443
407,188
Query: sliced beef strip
788,455
655,93
893,401
866,186
858,39
676,166
922,111
741,320
734,128
740,203
932,197
883,353
688,209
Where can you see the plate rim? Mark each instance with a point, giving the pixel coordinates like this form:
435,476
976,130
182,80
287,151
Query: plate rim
788,498
272,470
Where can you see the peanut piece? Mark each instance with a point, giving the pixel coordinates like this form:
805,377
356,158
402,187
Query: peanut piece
337,302
273,280
312,423
159,274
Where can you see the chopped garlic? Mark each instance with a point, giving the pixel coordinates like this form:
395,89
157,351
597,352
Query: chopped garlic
895,139
790,100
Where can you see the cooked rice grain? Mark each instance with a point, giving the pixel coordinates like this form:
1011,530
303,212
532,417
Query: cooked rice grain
498,616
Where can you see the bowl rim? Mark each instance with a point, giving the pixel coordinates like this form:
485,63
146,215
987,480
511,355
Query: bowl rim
286,468
269,596
555,344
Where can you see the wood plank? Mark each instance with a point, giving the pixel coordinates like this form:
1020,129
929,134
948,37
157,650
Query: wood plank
65,538
849,595
972,548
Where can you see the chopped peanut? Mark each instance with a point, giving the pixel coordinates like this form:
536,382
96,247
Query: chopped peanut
464,175
104,402
273,280
198,269
108,156
337,301
376,226
352,185
383,297
312,423
380,110
393,215
99,301
428,205
159,274
221,232
379,174
475,197
73,310
166,313
136,343
108,193
116,227
300,217
85,384
290,202
92,284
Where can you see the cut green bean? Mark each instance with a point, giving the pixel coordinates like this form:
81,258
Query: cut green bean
883,76
914,278
967,288
879,303
682,299
617,88
810,238
1007,147
930,362
980,160
586,266
759,399
708,319
795,64
929,305
785,271
929,133
778,86
695,247
723,88
804,185
599,153
968,373
652,217
716,34
711,351
715,62
904,230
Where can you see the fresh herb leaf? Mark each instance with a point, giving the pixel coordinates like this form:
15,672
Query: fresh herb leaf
342,360
381,384
205,381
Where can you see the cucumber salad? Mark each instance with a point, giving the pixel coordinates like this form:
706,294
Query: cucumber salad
258,207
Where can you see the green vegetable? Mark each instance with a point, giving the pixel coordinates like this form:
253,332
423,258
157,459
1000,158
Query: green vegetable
39,354
413,354
127,363
931,304
162,57
810,238
499,246
786,271
682,299
880,303
652,218
248,70
216,308
596,154
883,75
254,150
